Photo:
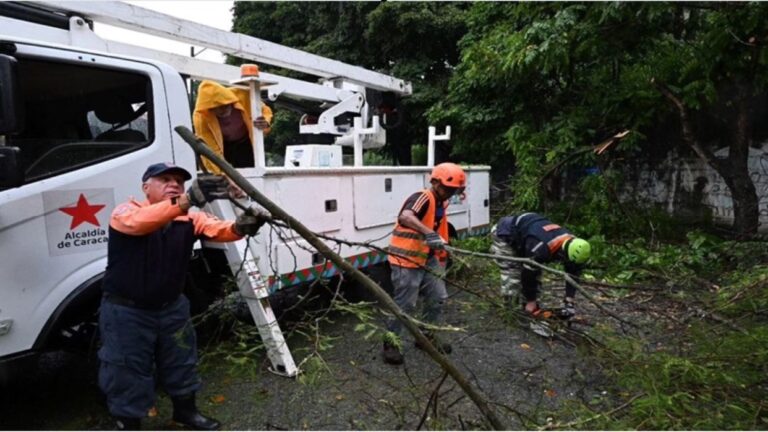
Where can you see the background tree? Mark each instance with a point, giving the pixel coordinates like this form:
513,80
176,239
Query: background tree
537,81
412,41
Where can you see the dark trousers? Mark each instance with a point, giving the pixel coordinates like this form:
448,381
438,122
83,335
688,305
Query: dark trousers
138,344
411,283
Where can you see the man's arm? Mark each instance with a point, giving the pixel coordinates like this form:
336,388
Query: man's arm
133,219
413,210
263,121
266,115
573,270
214,229
409,219
536,250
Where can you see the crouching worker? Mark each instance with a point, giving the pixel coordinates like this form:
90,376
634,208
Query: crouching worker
144,318
417,253
532,236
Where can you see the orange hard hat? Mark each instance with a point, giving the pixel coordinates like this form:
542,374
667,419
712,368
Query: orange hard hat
449,175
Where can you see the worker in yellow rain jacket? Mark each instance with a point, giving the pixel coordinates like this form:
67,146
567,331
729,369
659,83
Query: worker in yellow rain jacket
222,119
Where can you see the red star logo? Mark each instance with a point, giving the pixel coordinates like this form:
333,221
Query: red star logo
82,212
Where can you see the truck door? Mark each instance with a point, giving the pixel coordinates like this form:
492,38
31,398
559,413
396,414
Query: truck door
90,128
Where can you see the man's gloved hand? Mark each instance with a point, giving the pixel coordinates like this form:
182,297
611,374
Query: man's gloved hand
248,225
568,311
207,187
261,123
434,241
235,191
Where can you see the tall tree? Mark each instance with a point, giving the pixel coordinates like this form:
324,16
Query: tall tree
538,80
415,41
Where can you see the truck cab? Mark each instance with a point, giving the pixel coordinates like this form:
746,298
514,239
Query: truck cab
78,130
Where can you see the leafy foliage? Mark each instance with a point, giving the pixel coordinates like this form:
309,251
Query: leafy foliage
717,382
419,154
706,375
538,82
374,158
700,257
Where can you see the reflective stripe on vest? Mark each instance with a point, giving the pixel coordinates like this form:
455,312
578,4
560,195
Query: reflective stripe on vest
407,247
407,252
519,218
557,242
408,235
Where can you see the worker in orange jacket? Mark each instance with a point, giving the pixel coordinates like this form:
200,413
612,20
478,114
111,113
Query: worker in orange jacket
417,253
144,319
222,119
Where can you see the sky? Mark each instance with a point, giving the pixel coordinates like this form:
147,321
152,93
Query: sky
216,13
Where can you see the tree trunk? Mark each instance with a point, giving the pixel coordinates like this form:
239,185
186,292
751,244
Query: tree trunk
746,212
734,169
745,203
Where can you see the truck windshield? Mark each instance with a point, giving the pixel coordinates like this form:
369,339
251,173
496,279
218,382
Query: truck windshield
79,115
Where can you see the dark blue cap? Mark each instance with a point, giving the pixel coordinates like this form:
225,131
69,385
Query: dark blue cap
162,168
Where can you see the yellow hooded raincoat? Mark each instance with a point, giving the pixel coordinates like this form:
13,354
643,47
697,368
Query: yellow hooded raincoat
211,95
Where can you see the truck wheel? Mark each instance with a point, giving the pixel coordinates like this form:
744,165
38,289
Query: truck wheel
75,324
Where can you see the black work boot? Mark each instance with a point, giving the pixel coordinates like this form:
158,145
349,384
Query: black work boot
127,423
440,345
392,354
185,412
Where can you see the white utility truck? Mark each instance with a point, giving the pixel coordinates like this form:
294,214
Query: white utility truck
81,117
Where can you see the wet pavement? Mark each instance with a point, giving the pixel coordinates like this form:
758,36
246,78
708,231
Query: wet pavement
524,376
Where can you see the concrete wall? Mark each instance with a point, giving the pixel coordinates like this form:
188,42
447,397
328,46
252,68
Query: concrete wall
691,189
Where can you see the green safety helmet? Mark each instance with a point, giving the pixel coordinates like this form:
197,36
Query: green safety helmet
578,250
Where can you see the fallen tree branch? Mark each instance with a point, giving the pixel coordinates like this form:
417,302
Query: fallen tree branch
687,125
567,277
277,212
570,425
620,286
697,310
717,318
432,400
707,283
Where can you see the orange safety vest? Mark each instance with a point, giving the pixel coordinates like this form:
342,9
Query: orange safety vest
407,246
556,243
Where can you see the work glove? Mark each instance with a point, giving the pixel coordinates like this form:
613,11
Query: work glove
568,311
261,123
434,241
248,225
235,191
207,187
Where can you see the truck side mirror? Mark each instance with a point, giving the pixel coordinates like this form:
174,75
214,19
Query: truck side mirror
10,103
11,175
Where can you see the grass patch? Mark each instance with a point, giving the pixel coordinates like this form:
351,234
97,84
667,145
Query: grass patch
707,375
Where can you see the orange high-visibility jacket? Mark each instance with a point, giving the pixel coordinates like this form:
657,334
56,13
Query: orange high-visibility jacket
407,247
211,95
